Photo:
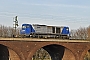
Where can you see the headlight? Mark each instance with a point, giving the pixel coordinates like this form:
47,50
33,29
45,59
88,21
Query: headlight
67,29
23,30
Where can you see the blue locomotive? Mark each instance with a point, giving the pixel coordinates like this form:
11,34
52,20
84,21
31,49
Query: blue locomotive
44,31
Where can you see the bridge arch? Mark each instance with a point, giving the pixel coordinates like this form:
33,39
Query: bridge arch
7,52
55,50
4,52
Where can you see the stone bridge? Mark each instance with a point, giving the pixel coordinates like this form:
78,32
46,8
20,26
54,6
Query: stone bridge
25,48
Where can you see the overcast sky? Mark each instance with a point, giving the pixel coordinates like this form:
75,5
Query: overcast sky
72,13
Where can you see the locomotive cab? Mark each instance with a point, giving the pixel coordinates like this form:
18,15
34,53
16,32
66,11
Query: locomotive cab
65,32
26,30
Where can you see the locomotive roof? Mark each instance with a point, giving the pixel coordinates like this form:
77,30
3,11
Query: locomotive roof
45,25
39,25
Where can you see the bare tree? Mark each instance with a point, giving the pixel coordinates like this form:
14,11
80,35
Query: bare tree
5,31
1,31
72,34
80,33
8,31
88,32
41,54
87,56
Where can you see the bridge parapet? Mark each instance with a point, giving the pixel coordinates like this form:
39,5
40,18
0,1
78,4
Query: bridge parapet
35,39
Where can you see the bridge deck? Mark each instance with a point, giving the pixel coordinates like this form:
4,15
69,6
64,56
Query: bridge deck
42,40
